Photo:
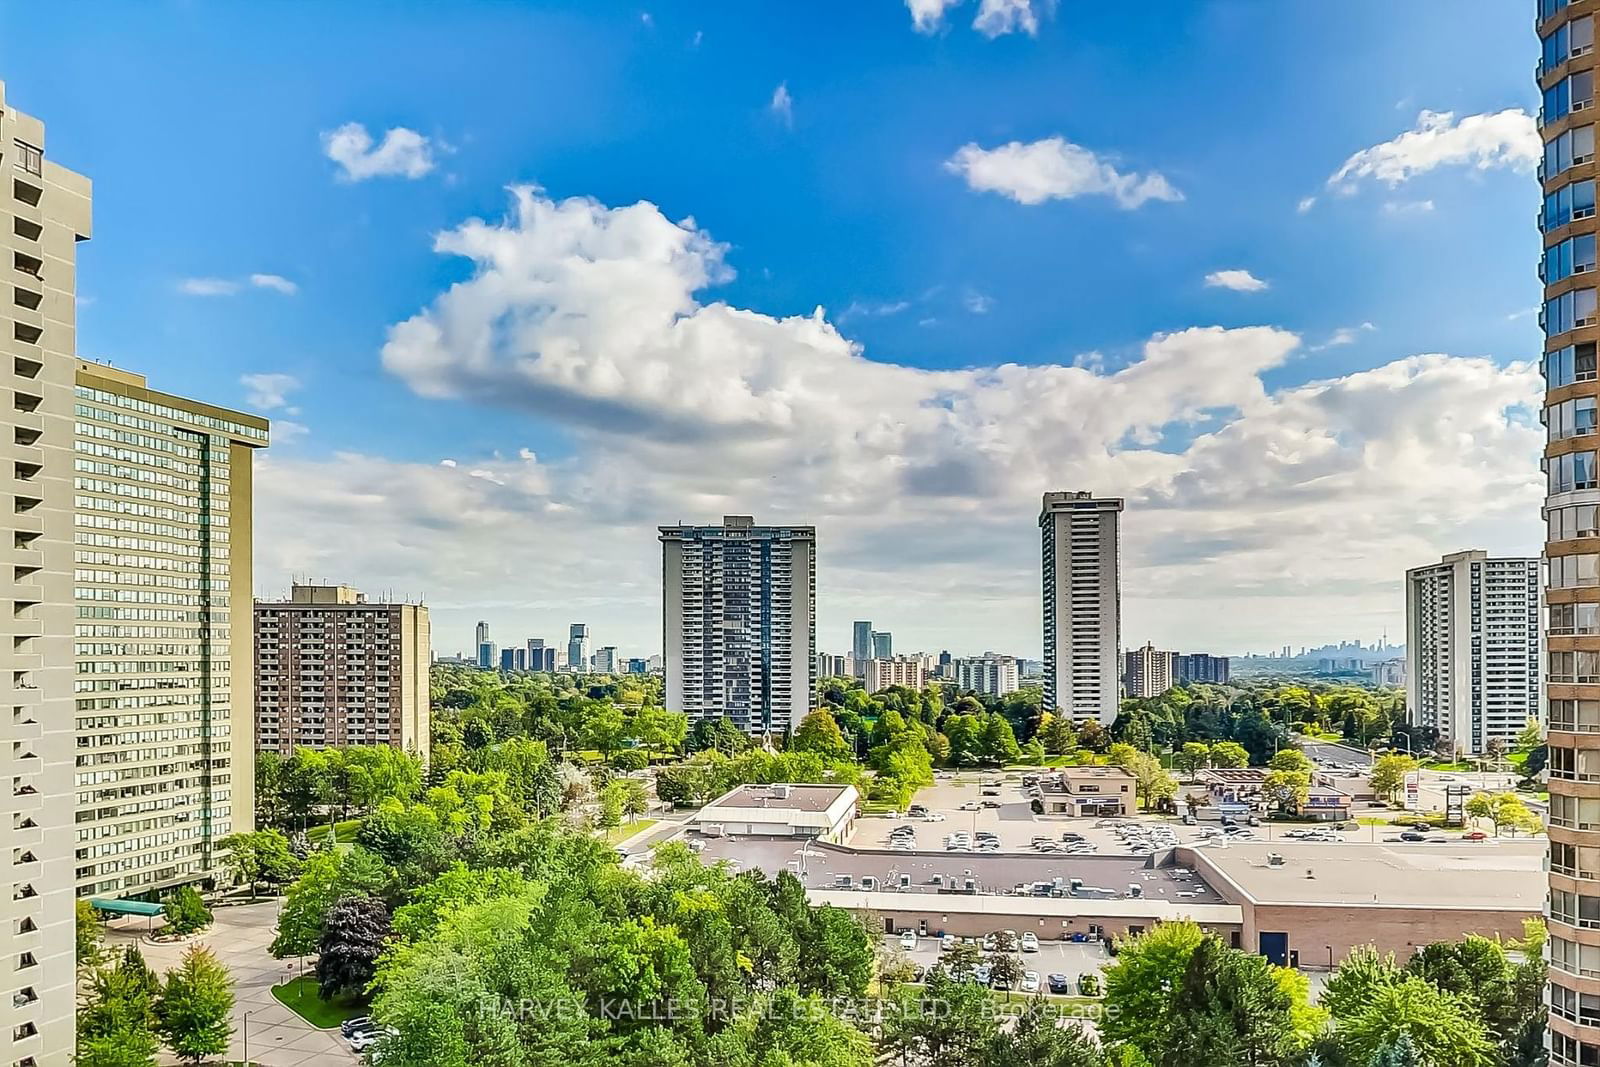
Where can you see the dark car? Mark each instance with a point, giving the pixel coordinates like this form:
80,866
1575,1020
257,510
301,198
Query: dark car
1058,983
1068,835
351,1027
1412,835
1424,827
991,803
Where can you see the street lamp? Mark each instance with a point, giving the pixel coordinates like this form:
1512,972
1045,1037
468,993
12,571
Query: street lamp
245,1057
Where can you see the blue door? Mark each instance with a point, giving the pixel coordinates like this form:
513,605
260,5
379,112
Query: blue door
1275,947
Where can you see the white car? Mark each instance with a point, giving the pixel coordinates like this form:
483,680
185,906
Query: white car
365,1039
908,940
947,942
933,816
1030,942
1030,981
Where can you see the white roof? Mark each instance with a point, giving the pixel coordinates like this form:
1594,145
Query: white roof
1034,907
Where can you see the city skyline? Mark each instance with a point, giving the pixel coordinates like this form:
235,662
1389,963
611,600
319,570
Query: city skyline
1122,291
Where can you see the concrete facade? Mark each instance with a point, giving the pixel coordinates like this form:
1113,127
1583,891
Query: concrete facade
1472,638
47,213
1079,538
739,622
334,669
822,812
1149,672
908,671
164,653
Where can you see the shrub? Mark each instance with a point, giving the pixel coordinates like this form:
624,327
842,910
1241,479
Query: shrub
186,911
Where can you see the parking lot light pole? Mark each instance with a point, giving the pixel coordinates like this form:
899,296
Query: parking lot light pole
245,1039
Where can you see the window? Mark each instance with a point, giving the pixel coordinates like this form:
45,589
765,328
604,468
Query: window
1575,470
1574,200
1570,149
1566,41
1575,667
1575,255
1572,93
1575,765
29,158
1577,716
1570,418
1568,311
1550,8
1571,363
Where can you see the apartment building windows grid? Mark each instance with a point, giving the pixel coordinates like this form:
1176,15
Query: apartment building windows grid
1080,572
739,622
1571,682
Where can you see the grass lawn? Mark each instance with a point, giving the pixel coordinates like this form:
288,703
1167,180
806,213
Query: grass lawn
343,832
1456,765
300,996
621,833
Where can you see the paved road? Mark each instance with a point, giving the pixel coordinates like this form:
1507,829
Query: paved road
239,937
1336,752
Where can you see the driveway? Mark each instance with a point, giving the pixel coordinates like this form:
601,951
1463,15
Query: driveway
239,937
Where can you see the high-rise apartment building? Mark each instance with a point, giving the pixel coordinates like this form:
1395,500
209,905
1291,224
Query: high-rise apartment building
882,644
46,213
990,674
1202,667
884,671
1566,77
513,659
606,660
861,645
334,669
1149,672
832,666
740,624
1079,548
1472,636
578,647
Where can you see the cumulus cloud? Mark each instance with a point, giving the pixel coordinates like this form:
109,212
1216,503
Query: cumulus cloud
1054,169
1243,500
1344,335
782,105
207,287
268,392
1506,138
402,153
927,16
1240,281
999,17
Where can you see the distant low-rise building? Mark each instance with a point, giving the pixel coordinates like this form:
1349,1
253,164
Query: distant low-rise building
1088,791
825,812
908,671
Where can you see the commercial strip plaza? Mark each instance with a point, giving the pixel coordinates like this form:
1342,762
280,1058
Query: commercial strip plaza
1300,903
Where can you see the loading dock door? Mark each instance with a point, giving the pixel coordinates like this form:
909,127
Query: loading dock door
1275,947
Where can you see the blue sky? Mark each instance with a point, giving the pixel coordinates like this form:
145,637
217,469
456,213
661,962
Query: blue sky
205,130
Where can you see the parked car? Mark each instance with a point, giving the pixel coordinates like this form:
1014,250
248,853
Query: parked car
362,1040
1030,942
359,1023
981,974
908,940
1059,984
1030,981
933,816
991,803
1475,835
970,805
1412,835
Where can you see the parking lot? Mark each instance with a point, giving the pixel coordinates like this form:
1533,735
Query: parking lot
1069,958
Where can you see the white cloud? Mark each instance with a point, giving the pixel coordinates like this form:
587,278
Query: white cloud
1243,500
999,17
287,431
873,309
275,282
782,105
266,392
1306,204
1240,281
1522,313
402,153
1506,138
1054,169
1407,207
207,287
1344,335
977,303
927,16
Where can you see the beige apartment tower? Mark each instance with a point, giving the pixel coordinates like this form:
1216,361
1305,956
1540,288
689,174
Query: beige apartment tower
1079,537
335,670
46,214
162,580
1566,78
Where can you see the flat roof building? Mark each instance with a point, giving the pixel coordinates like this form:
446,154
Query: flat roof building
46,214
1079,543
333,669
826,812
739,621
166,767
1088,791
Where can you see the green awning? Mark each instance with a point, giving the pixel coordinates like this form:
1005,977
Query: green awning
125,907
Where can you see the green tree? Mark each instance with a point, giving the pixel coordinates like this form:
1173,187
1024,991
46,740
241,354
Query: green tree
195,1006
1439,1025
353,937
91,937
1400,1052
610,815
1035,1039
948,1022
1191,757
1057,734
326,877
1389,773
1288,789
1229,754
1230,1007
116,1014
630,759
1351,987
1530,737
819,732
186,911
1291,759
259,856
1139,985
